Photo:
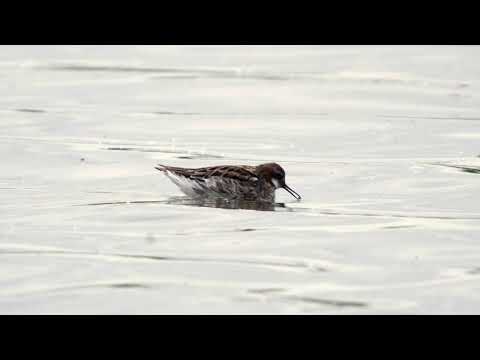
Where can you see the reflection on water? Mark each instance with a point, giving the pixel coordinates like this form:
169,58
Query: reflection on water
466,169
335,303
302,265
31,110
182,73
182,154
216,202
213,202
225,203
129,286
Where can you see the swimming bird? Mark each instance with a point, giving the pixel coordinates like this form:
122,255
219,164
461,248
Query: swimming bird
229,181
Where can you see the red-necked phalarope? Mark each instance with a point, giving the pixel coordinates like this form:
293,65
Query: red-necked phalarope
229,181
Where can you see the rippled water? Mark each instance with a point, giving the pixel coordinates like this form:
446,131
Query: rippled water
383,144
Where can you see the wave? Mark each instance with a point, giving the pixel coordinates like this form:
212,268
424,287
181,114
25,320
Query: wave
380,77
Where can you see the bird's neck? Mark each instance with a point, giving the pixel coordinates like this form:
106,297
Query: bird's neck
266,190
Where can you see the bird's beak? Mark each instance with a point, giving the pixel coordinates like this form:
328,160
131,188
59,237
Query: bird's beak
292,192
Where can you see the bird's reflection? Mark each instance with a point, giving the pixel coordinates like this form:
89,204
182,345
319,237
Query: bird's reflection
224,203
213,202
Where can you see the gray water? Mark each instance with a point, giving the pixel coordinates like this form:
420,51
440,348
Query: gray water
382,142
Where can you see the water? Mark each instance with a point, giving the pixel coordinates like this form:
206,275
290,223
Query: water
381,142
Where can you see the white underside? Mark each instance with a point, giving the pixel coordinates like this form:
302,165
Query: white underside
188,186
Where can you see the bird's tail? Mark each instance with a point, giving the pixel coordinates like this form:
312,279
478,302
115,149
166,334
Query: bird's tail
161,167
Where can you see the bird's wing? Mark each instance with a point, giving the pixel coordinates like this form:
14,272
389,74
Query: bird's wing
236,173
242,173
211,178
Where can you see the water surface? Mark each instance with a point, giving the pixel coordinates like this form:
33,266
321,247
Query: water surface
381,142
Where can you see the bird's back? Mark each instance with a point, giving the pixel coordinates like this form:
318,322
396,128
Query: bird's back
224,180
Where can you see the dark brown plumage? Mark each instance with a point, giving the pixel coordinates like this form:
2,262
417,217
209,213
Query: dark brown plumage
229,181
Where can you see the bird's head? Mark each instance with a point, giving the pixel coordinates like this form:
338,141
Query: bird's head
275,175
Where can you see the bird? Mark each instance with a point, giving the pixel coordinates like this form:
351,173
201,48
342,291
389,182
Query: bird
240,182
